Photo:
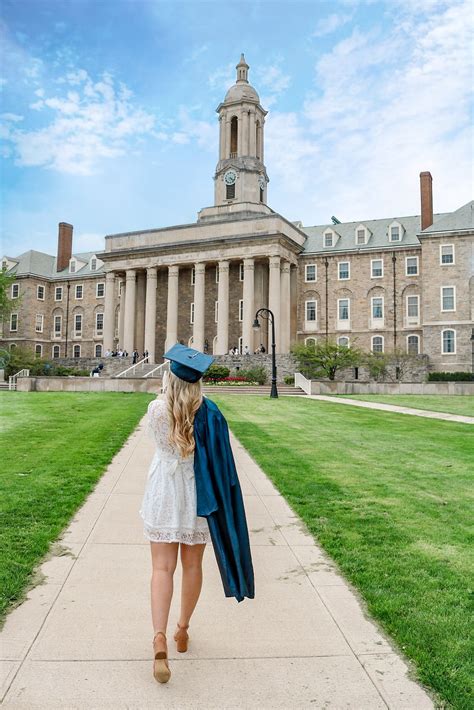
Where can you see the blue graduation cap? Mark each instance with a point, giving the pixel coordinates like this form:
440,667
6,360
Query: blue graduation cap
187,363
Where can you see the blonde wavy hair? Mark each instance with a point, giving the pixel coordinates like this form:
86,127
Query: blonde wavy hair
183,400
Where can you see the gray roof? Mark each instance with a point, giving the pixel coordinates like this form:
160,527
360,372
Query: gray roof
460,220
378,234
37,263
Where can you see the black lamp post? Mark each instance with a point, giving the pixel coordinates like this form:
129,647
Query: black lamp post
472,350
267,313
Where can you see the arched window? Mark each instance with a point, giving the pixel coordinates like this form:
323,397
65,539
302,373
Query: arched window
258,139
413,344
234,129
12,346
98,350
310,341
77,351
448,341
343,340
56,351
214,344
377,343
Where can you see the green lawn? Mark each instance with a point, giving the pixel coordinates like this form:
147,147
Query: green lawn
55,446
452,404
390,498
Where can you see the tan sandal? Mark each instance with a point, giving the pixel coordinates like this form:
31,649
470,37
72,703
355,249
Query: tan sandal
181,637
161,669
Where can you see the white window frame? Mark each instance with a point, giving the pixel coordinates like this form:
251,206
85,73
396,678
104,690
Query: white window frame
360,228
376,276
76,346
344,337
328,233
17,286
315,341
38,298
241,344
241,310
99,283
448,310
93,263
372,343
78,331
98,345
446,263
307,280
311,321
400,232
57,333
81,286
72,266
377,319
53,349
241,271
39,345
217,274
191,313
443,351
412,320
414,335
339,270
99,331
417,265
216,311
193,275
344,322
14,330
41,328
56,288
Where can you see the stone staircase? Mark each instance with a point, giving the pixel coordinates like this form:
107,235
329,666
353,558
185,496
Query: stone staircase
263,390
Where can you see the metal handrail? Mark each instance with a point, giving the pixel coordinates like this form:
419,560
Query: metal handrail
13,378
132,367
158,367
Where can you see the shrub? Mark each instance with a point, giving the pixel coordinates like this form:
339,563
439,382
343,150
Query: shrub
216,372
324,359
450,377
289,379
255,374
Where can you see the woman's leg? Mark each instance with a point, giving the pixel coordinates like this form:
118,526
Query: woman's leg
191,560
164,556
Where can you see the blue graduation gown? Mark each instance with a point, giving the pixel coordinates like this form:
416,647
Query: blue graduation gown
219,499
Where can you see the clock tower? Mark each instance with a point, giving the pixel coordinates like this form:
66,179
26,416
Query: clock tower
240,174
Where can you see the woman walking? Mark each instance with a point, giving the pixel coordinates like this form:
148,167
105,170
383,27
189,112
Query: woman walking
178,487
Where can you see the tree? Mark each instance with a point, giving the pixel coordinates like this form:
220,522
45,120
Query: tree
325,359
7,305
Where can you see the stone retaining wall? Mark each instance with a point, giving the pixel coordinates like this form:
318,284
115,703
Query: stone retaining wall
356,387
88,384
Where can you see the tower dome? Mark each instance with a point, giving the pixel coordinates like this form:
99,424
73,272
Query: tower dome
242,90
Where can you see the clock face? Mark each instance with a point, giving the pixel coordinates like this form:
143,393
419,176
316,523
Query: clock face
230,177
261,182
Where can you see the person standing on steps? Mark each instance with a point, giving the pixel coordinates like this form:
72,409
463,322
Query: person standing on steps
192,497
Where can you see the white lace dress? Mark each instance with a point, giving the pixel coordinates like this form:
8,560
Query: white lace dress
169,505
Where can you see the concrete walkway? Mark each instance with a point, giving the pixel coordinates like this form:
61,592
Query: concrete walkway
395,408
82,639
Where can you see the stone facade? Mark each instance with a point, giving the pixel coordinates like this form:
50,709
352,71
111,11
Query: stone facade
376,284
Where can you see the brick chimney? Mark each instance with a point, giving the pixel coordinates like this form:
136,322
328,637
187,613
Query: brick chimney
426,192
64,245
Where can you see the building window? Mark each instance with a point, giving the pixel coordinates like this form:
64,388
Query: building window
230,191
448,342
12,346
121,288
413,307
241,272
98,350
72,267
343,308
377,307
193,276
413,345
79,292
191,315
310,272
395,233
13,322
411,266
216,311
93,264
328,239
39,323
446,254
56,351
15,290
448,298
310,341
76,351
261,195
377,343
343,271
234,131
78,323
241,309
38,350
343,341
241,340
100,290
376,268
57,326
217,274
310,310
360,236
40,293
58,293
99,323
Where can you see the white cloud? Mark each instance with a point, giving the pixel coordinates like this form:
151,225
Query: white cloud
327,25
95,120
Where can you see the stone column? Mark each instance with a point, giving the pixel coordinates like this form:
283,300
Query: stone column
199,306
274,300
150,313
172,307
121,320
140,312
129,325
221,138
249,300
252,134
227,138
223,309
246,132
285,307
109,311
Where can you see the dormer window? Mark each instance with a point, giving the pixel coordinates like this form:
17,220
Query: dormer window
395,232
93,264
360,236
72,266
329,239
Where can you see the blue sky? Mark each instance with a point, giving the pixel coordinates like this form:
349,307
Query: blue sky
108,109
